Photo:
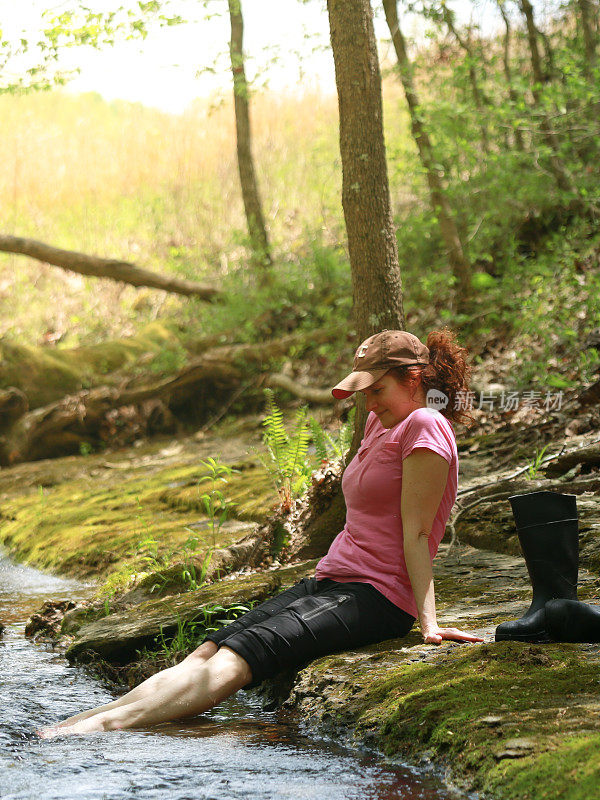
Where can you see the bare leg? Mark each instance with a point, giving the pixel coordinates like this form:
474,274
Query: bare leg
148,688
192,689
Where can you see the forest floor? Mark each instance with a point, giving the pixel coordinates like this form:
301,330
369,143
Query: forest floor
512,719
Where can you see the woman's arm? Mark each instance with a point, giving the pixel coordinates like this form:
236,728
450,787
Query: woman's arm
424,476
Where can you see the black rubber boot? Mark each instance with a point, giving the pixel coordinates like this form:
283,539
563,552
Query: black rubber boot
547,527
572,621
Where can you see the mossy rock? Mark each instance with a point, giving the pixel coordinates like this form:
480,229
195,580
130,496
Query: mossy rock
507,717
167,582
76,618
38,373
250,488
118,636
47,374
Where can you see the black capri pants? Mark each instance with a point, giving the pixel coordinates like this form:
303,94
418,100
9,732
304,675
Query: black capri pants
314,618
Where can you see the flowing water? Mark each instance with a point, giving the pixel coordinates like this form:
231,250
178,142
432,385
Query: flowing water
235,751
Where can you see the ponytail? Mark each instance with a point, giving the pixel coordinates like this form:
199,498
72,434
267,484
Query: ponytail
448,371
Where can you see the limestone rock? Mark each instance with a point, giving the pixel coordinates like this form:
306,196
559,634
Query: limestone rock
117,636
48,620
515,748
79,616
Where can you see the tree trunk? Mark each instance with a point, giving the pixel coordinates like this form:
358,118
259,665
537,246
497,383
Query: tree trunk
372,244
586,17
104,267
532,38
533,34
252,205
549,54
478,98
564,181
512,94
458,262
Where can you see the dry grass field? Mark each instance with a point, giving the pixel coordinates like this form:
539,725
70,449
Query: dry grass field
122,180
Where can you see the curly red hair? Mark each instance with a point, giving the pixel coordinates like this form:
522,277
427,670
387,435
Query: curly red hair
448,371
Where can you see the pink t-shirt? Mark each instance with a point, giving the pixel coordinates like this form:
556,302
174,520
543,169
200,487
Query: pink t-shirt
370,548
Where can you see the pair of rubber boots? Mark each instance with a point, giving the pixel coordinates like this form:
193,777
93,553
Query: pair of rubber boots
549,536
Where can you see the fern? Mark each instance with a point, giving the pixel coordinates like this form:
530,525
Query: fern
288,454
346,433
320,439
289,461
328,447
275,437
298,446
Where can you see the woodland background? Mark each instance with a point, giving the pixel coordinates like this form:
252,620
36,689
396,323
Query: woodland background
512,124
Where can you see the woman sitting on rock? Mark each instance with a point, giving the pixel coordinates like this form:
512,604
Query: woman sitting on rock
377,576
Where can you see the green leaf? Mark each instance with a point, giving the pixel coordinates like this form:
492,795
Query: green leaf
559,382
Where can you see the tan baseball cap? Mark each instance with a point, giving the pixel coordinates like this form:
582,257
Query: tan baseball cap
376,356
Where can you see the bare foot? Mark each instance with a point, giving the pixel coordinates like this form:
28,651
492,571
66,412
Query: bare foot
90,725
48,733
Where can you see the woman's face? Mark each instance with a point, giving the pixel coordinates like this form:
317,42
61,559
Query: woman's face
391,400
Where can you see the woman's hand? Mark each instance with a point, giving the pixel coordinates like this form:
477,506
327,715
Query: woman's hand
436,635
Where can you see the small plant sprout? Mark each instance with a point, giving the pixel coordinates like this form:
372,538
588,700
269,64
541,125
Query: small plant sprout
536,463
190,633
216,506
190,574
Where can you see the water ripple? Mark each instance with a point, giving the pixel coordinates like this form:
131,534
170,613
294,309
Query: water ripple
235,751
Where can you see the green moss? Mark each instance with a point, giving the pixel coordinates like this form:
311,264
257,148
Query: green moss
129,523
38,373
445,706
569,770
47,374
250,488
509,718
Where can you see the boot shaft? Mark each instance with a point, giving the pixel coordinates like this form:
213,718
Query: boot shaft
548,532
542,508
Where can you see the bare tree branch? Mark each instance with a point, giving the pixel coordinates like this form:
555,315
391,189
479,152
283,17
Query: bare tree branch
104,267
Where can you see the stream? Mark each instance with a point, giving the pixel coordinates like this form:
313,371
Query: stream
235,751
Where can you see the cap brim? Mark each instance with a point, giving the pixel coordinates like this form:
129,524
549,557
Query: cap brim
355,382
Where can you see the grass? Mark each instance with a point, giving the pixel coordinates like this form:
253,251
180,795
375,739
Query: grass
97,177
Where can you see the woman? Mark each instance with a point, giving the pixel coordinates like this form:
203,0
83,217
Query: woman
377,576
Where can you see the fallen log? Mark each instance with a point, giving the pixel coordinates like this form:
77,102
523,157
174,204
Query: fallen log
313,395
106,415
105,268
119,415
13,404
586,456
